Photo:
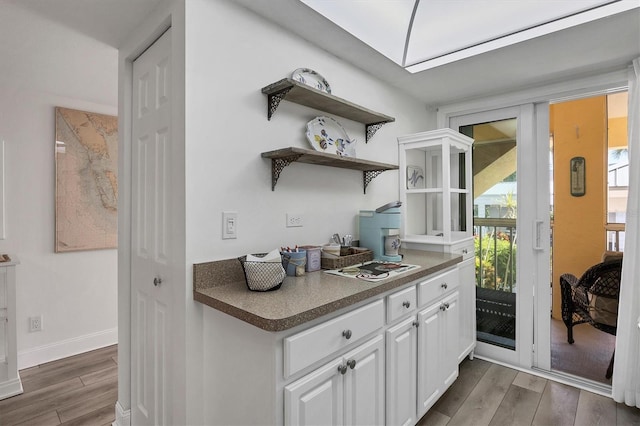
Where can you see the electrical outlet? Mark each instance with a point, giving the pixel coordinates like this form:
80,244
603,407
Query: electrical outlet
294,220
229,225
35,323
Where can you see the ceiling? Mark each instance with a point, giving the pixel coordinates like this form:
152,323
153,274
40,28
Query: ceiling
419,35
587,49
108,21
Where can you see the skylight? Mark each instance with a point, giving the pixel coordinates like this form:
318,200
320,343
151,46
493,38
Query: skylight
420,35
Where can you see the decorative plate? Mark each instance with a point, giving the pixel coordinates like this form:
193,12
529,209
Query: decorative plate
327,135
311,78
415,177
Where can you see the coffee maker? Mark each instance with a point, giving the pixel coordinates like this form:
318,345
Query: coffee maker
380,226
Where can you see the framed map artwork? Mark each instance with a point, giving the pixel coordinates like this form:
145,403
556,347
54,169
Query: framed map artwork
86,181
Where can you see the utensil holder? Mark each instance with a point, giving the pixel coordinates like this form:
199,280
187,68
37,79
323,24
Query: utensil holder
294,262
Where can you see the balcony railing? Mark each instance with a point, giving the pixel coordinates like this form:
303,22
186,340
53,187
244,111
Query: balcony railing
615,236
495,249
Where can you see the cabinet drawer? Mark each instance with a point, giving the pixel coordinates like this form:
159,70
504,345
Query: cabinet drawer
437,286
464,249
309,346
401,303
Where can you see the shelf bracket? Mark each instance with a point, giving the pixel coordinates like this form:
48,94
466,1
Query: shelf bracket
278,165
368,176
274,99
373,128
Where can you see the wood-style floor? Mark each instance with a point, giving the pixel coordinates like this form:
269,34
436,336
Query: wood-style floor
82,390
79,390
490,394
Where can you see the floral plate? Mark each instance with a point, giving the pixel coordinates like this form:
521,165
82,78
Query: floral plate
311,78
327,135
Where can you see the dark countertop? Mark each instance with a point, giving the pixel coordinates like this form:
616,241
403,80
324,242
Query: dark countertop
221,285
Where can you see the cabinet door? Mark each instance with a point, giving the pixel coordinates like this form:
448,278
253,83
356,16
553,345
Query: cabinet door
450,339
317,398
430,378
364,384
401,373
467,289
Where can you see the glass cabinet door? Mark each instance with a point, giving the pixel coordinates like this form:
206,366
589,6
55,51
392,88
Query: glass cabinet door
436,188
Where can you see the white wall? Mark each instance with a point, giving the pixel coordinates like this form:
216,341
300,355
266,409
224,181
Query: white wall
231,54
43,66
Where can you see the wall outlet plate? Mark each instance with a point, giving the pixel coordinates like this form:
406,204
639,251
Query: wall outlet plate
35,323
294,220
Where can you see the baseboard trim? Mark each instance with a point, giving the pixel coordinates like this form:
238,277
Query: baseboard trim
10,388
65,348
123,417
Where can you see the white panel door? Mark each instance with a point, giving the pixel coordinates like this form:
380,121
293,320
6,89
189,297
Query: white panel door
317,398
401,373
364,384
151,311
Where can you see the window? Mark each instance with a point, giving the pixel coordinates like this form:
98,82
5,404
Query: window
618,170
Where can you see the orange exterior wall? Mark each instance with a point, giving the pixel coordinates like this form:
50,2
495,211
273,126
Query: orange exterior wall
579,129
618,132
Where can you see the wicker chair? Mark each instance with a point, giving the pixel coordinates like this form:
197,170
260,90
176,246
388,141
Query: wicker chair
592,299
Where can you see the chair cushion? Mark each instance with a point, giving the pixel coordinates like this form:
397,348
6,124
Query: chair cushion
603,310
609,256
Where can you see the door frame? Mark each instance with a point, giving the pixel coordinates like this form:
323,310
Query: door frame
168,15
539,359
527,218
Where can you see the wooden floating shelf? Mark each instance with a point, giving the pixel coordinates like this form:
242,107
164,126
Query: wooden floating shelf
281,158
302,94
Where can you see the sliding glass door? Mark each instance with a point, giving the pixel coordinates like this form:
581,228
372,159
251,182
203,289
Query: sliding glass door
510,192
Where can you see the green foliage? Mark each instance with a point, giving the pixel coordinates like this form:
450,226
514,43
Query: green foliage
498,262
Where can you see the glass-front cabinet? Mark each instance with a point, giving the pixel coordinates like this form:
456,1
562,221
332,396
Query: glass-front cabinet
435,187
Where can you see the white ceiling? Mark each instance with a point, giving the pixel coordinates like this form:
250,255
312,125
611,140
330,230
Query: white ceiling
588,49
419,35
108,21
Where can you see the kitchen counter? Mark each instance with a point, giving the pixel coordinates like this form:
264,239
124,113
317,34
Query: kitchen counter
221,285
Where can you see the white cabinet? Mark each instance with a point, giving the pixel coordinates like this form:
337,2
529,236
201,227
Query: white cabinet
10,383
347,391
437,346
435,187
305,348
422,351
467,333
385,361
437,209
402,372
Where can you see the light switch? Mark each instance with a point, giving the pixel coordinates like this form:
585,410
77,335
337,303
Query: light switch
229,225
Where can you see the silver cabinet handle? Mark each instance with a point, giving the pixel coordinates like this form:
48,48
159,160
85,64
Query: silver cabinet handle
443,308
444,285
406,303
342,369
347,334
157,281
351,363
416,324
464,251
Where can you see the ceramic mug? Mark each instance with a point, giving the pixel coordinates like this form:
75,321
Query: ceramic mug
391,245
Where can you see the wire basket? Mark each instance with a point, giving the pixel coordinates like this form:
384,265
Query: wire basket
262,276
